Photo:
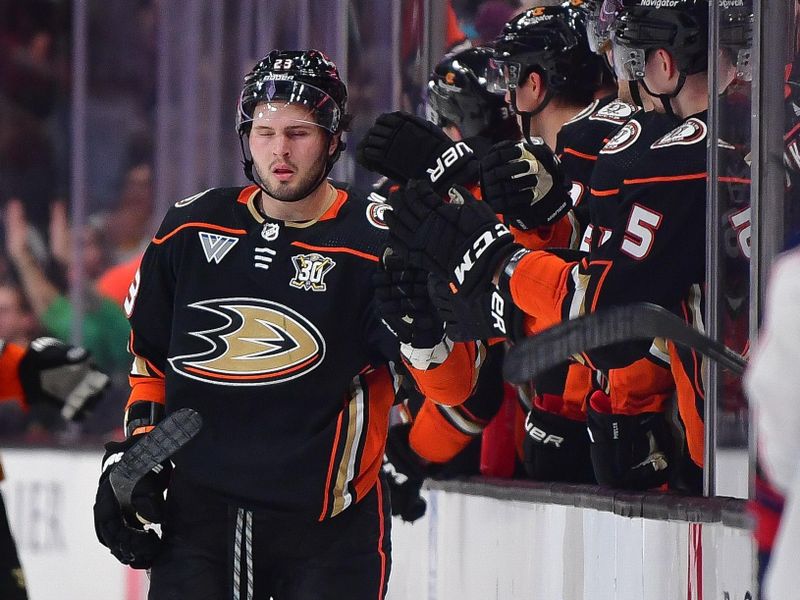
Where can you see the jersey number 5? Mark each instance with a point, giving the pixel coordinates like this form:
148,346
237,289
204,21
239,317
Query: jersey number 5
640,232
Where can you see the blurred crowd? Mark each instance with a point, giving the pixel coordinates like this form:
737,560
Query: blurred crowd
41,255
38,246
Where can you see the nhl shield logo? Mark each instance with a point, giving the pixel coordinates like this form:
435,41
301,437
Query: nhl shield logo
270,231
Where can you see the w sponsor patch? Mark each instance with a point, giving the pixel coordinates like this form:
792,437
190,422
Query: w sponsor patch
216,246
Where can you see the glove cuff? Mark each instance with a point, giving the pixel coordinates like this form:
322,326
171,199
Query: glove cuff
423,359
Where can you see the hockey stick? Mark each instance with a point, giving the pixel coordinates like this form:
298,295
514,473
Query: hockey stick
534,355
169,436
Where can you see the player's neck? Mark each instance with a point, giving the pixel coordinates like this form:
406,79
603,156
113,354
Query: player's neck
309,208
693,98
548,123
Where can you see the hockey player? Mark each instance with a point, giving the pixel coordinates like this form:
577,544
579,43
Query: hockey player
255,307
431,436
549,75
46,371
457,93
653,210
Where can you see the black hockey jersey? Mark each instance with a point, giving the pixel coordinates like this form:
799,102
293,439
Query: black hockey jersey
268,330
579,142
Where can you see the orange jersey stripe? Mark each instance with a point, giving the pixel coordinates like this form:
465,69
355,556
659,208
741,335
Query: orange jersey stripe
600,283
330,466
580,154
339,249
333,209
743,180
161,240
605,192
666,179
212,375
381,397
245,194
381,533
687,395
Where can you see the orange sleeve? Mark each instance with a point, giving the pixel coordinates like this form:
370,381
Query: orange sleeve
10,385
642,386
434,438
146,389
451,382
558,235
539,286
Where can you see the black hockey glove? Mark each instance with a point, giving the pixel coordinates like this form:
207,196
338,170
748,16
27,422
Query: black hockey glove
402,295
556,448
55,372
525,183
405,473
485,316
124,534
462,242
402,147
628,451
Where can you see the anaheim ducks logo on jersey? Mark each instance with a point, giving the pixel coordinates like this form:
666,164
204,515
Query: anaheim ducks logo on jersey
625,138
252,342
376,214
686,134
617,112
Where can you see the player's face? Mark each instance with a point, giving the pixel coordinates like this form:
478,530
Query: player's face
289,151
528,94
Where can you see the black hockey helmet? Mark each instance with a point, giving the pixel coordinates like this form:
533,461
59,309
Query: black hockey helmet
458,95
302,77
736,35
306,77
677,26
550,40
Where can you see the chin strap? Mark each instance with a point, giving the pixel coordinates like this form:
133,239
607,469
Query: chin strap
636,93
665,98
527,116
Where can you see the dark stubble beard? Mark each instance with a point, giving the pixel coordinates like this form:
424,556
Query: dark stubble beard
299,189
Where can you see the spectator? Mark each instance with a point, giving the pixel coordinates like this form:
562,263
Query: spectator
130,222
18,324
105,328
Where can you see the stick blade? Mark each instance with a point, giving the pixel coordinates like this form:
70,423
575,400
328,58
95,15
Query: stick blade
537,354
162,442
